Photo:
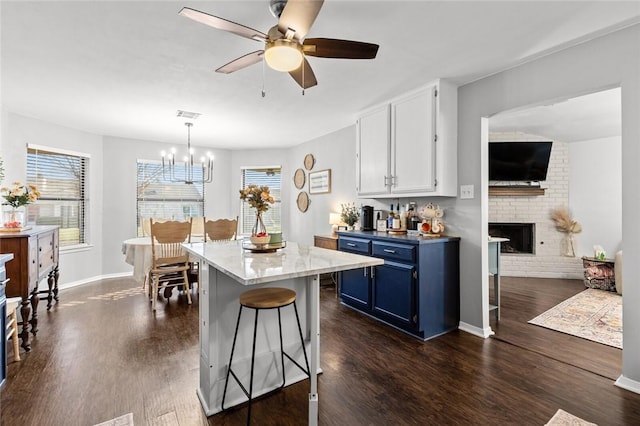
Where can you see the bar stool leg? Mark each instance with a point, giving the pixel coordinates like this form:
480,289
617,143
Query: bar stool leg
304,350
233,348
253,361
281,348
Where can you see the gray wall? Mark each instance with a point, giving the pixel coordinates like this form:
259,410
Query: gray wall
606,62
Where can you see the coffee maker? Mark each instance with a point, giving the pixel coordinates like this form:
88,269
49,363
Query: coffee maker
366,218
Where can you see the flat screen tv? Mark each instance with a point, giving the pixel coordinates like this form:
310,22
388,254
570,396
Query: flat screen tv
519,161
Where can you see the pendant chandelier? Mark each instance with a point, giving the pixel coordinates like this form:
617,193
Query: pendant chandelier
184,173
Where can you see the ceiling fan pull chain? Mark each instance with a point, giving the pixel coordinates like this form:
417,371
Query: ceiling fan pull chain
263,78
303,67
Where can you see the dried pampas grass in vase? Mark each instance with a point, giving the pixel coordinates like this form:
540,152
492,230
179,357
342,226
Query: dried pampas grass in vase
565,223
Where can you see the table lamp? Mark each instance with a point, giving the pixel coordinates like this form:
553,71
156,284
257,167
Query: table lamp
335,221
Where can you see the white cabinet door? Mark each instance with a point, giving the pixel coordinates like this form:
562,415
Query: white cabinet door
373,152
413,143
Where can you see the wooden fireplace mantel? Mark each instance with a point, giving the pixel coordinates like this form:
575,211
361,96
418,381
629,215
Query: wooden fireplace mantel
515,191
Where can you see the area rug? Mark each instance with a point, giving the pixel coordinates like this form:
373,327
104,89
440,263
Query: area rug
592,314
562,418
125,420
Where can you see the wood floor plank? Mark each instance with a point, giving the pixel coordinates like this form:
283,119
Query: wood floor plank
102,346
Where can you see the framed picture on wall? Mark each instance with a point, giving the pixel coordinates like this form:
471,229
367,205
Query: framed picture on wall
320,182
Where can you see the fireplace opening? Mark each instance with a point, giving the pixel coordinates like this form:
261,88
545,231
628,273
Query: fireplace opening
520,235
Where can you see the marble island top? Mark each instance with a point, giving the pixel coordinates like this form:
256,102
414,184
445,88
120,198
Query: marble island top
295,260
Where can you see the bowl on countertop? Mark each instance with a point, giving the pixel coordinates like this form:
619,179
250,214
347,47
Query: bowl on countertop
260,240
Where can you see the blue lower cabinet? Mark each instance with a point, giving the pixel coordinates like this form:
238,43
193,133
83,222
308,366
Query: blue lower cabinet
355,288
393,288
417,290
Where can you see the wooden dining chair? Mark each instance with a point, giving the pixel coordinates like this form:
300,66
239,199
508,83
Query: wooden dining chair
220,229
170,262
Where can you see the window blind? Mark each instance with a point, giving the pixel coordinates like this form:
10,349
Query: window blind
62,181
159,198
271,218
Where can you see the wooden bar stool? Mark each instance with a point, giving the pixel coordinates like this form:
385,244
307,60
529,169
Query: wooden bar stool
258,299
12,325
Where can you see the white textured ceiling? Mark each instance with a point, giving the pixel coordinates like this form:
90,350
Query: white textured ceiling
124,68
593,116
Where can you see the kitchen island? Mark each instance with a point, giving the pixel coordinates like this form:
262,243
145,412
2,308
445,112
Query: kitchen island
226,271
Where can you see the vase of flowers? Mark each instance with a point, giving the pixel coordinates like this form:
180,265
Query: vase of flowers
16,198
566,224
349,215
259,197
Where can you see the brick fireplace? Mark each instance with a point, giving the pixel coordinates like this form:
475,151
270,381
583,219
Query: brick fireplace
521,237
535,249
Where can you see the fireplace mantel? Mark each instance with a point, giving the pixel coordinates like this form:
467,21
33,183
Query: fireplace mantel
515,191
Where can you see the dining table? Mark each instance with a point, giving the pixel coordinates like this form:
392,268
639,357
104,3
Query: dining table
137,252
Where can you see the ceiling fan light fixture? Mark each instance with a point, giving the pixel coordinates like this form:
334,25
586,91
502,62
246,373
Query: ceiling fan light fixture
283,55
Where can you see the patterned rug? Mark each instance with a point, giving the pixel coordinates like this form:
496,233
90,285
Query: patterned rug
592,314
562,418
125,420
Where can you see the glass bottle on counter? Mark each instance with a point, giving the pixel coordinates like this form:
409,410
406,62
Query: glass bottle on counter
390,218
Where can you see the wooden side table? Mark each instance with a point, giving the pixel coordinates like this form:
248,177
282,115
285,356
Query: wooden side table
329,242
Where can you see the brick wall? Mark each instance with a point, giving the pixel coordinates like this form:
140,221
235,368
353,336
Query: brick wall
548,260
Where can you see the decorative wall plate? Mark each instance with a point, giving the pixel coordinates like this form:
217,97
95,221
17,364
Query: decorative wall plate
299,178
303,201
309,161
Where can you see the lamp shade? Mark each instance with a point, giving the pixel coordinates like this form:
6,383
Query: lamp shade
334,219
283,55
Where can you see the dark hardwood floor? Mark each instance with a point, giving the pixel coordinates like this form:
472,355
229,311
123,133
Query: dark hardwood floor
522,299
101,353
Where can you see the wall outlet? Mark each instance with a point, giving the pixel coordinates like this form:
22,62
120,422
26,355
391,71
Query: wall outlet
466,192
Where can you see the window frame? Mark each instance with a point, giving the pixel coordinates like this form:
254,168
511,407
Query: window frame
83,200
163,197
244,228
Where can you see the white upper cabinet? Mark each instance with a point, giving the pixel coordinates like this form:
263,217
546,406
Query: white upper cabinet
373,152
408,146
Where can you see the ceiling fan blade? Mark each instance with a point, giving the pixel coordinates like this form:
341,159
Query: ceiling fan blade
343,49
298,16
241,62
309,76
222,24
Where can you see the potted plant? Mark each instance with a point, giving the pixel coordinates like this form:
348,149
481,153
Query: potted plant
350,215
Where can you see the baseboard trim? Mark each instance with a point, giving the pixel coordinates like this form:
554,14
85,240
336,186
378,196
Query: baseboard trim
476,331
94,279
628,384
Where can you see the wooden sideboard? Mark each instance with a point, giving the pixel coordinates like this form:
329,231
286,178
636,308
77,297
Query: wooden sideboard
327,242
35,257
4,258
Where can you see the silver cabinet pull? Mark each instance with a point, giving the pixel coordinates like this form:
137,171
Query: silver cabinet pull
389,251
6,281
364,270
373,271
351,244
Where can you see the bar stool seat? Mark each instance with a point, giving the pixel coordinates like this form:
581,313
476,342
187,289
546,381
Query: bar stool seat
12,324
258,299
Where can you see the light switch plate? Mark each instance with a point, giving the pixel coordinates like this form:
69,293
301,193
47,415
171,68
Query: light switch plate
466,192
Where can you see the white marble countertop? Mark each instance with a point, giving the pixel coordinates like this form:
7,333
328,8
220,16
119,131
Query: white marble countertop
295,260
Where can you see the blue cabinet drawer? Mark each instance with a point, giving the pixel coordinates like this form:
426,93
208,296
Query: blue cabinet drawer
393,251
354,245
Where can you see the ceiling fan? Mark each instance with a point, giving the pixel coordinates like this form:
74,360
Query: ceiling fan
285,47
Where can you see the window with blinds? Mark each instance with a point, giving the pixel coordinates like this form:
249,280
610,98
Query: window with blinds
159,198
61,178
271,218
